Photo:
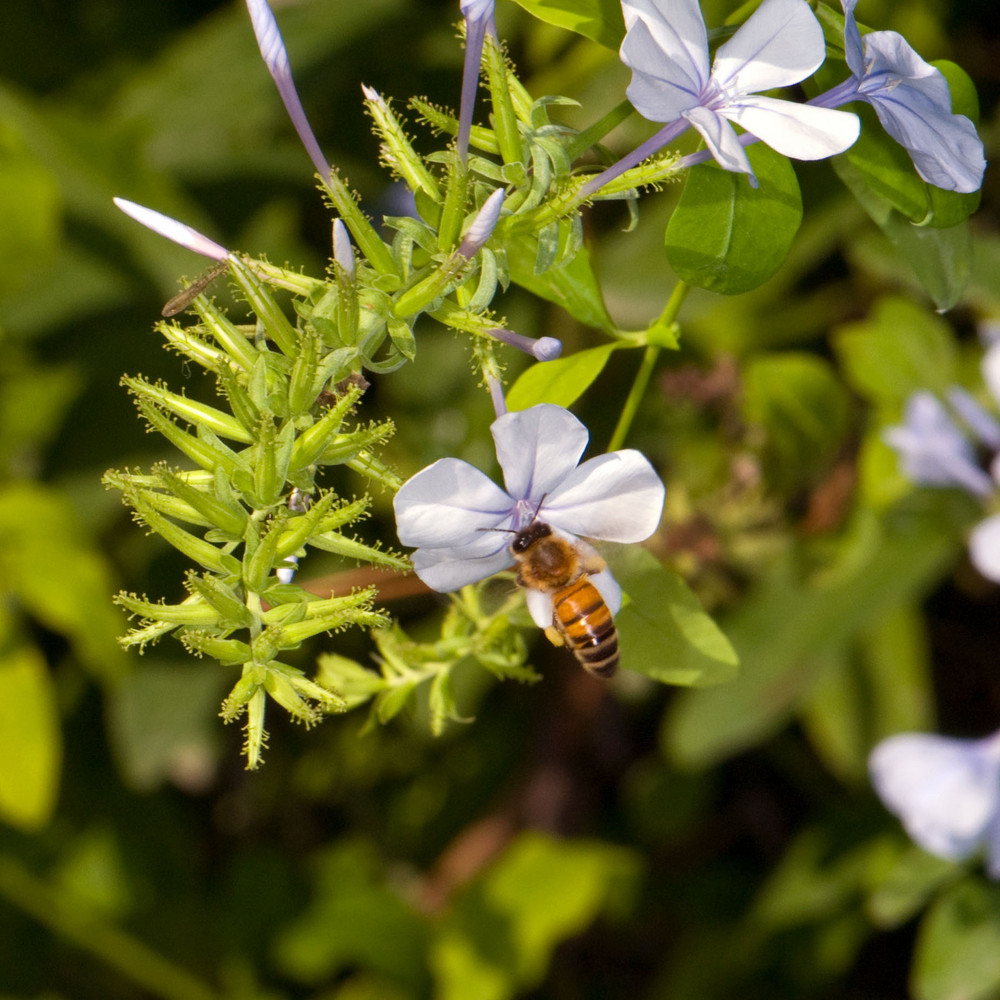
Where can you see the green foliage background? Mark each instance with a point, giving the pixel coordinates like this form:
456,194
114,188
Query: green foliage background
571,842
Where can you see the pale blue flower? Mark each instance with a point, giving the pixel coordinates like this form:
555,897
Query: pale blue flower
272,50
781,43
542,349
460,521
932,449
478,16
913,103
173,230
482,226
945,791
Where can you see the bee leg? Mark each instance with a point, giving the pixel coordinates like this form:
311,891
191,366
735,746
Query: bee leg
554,636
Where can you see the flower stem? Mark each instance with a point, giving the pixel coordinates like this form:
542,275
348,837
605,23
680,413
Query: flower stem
76,922
666,319
588,137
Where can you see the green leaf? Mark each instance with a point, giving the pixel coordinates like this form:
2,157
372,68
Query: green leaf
562,381
803,410
663,631
783,629
899,348
940,258
497,941
30,740
572,286
958,947
905,880
729,237
600,20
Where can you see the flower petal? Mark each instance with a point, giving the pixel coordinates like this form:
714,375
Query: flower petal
539,607
945,791
180,233
537,449
451,568
721,139
668,59
984,547
781,43
616,497
801,131
449,504
854,51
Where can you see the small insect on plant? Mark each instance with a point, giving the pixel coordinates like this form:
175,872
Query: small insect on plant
186,296
562,570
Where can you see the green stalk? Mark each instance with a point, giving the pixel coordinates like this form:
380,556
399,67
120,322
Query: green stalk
590,136
667,318
78,923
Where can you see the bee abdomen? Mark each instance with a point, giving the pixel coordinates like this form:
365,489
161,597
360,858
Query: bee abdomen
580,614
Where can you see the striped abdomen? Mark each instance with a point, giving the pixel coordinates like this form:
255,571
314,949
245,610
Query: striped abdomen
580,614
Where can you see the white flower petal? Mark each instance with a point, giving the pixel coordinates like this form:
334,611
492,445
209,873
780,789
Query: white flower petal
679,51
448,504
609,588
660,90
945,791
537,449
721,139
452,568
781,43
616,497
801,131
990,368
984,547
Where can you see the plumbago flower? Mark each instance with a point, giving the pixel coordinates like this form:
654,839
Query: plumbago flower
945,791
666,47
935,451
460,521
913,103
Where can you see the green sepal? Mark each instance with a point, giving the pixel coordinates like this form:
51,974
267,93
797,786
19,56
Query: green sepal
328,613
198,449
397,152
266,309
192,612
259,560
291,689
184,340
272,454
346,448
228,336
229,652
230,517
505,125
372,468
364,233
303,376
197,549
195,413
233,612
480,137
243,407
456,198
350,548
312,442
295,536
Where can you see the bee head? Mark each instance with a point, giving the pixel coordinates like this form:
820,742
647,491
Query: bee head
526,537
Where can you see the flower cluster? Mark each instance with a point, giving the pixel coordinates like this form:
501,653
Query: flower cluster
946,792
461,522
780,44
939,446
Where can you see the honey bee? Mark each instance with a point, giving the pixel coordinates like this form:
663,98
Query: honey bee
562,569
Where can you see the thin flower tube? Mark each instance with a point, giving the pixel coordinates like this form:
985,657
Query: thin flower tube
780,44
460,521
945,791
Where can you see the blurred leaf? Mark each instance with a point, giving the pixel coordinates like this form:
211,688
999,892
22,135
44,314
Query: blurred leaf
783,627
497,941
163,721
600,20
562,381
958,948
354,920
940,258
833,715
803,410
30,740
30,209
899,348
663,631
46,564
573,286
729,237
905,881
